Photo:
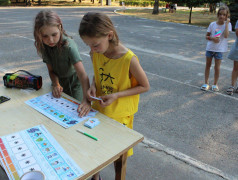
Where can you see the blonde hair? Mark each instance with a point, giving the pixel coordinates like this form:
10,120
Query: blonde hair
96,24
47,18
224,8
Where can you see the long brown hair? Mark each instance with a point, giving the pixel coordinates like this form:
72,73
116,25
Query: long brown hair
47,18
96,24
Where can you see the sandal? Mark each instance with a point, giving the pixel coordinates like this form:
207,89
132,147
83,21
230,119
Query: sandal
215,88
230,90
205,87
236,90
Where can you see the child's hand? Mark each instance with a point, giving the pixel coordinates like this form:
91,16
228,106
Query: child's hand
228,20
57,90
216,39
84,108
91,92
108,99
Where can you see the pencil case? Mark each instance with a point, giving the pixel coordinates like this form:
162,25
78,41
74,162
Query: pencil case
92,122
23,81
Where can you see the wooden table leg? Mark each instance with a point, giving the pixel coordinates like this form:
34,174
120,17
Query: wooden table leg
120,167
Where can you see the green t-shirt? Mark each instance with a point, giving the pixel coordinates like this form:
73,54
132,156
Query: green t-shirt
62,61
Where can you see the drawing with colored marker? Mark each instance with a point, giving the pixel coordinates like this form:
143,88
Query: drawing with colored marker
61,110
29,155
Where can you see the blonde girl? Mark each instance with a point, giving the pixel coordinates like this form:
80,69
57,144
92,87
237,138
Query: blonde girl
60,53
118,76
217,34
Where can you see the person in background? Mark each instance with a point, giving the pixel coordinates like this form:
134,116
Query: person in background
171,9
217,34
233,55
167,6
175,7
60,53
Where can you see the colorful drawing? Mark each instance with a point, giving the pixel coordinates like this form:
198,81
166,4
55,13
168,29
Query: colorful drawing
40,139
51,159
217,33
61,110
6,161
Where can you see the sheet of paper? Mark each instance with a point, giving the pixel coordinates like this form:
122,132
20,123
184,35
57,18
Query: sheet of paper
36,149
61,110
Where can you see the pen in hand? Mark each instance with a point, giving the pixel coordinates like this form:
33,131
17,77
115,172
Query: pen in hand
86,134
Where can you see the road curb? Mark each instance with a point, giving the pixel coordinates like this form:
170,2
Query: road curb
187,159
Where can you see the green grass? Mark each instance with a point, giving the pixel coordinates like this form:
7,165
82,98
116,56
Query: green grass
199,18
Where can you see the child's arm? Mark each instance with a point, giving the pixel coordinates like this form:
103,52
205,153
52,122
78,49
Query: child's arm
57,88
85,106
143,84
226,31
92,90
208,36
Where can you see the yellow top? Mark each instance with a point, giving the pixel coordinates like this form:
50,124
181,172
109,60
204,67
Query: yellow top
111,76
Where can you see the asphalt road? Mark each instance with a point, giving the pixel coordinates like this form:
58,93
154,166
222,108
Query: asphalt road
189,134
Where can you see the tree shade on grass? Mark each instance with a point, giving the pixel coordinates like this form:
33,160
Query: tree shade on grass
181,16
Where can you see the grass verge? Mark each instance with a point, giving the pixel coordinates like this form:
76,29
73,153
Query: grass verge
199,17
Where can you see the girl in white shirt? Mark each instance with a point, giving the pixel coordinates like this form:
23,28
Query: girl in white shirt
217,34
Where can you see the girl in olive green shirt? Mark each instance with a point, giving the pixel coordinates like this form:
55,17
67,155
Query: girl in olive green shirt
60,53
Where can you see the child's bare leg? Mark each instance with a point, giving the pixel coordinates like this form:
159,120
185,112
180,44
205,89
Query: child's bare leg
217,70
96,176
234,74
120,167
207,69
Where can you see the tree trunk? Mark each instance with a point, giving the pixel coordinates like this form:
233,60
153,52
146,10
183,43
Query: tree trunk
156,7
212,8
190,16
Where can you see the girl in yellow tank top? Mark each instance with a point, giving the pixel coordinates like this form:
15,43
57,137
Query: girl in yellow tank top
118,76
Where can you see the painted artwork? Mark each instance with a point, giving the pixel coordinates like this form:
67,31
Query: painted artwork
61,110
36,149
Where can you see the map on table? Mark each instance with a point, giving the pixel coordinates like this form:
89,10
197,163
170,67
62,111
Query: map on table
36,149
61,110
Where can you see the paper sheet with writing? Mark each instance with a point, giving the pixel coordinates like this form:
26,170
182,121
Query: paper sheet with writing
61,110
36,149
